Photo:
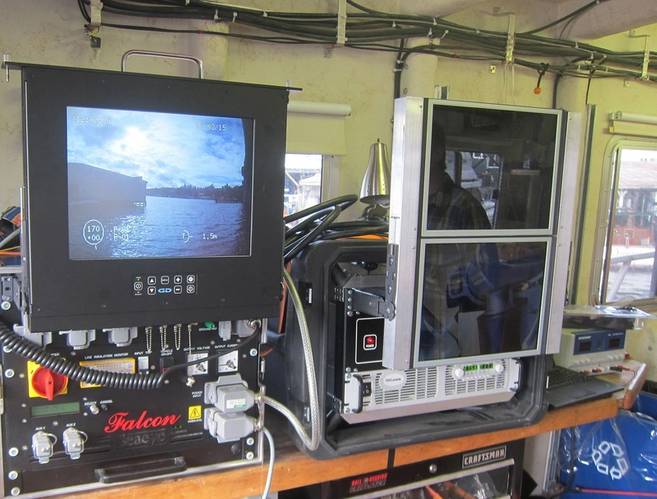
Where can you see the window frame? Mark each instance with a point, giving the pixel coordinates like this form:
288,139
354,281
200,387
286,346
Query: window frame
607,218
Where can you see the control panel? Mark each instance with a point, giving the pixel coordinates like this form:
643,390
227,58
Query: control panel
165,284
61,435
592,351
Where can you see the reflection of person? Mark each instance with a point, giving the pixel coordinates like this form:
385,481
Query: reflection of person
450,269
450,206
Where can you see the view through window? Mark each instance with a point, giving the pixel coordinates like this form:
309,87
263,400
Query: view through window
630,272
303,181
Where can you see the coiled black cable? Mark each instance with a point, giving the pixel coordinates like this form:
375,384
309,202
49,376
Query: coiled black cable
123,381
15,343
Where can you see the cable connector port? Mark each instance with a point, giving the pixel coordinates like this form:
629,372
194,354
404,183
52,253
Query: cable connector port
227,427
229,394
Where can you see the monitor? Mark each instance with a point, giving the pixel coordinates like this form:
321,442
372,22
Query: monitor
480,210
134,192
150,199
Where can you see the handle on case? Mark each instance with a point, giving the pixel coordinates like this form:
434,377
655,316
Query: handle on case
163,55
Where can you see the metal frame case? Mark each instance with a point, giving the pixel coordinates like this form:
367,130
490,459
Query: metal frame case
85,294
409,236
313,271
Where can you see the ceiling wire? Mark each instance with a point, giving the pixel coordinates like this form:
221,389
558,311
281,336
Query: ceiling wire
370,29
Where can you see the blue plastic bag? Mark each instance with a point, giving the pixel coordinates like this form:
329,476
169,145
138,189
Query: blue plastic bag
613,458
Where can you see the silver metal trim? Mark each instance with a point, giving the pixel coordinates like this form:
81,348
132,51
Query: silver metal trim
404,205
162,55
440,478
564,227
431,103
499,355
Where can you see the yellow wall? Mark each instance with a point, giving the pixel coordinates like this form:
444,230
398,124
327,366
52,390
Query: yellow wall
363,79
610,95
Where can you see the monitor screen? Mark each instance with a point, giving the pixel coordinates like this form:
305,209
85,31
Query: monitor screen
145,184
480,298
490,169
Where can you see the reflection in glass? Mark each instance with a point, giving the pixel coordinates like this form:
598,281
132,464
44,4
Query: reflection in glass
490,169
481,298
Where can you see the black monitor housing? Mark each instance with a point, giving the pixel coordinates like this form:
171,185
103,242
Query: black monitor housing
150,199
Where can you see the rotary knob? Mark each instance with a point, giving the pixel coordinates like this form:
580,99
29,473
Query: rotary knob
458,373
498,367
48,384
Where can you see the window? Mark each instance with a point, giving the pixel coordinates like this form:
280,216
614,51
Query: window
303,181
629,271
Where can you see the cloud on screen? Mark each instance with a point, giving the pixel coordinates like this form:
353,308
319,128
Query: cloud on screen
167,150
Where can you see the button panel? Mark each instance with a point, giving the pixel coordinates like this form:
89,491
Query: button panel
165,284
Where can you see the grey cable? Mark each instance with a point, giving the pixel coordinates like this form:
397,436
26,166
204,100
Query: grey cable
312,441
294,421
272,459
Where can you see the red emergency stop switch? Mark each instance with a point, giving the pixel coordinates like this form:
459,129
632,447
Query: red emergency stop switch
369,342
47,383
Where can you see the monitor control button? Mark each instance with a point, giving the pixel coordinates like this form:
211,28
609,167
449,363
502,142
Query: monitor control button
138,286
151,290
164,279
177,279
151,280
177,290
191,289
191,278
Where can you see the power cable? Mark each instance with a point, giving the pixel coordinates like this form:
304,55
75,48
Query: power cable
272,460
567,17
370,29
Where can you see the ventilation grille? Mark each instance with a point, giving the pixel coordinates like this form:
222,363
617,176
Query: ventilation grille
420,384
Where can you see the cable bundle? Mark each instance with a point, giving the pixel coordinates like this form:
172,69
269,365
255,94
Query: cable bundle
370,29
318,222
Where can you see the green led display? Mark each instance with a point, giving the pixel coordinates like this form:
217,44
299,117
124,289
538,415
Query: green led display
55,409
